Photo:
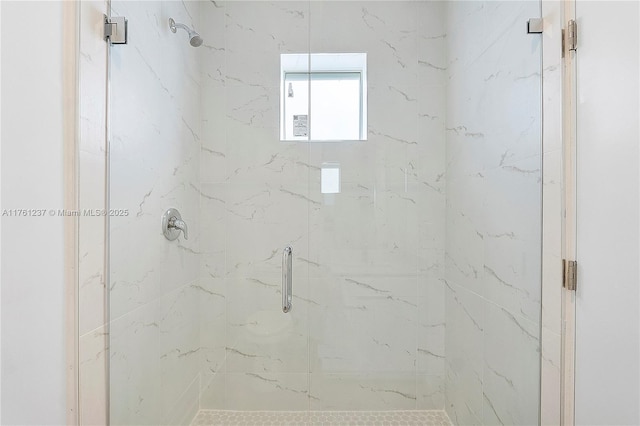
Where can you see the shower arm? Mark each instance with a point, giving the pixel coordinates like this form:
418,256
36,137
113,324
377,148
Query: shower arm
177,25
194,38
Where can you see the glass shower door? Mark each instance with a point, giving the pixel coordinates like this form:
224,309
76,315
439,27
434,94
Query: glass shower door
377,246
197,321
154,152
425,267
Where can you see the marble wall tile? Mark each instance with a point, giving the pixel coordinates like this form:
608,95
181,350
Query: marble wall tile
212,28
255,155
393,114
466,143
511,380
386,31
212,391
213,153
254,44
464,342
267,391
211,286
431,42
464,256
463,46
365,391
357,327
430,355
213,95
366,230
513,237
260,337
212,314
213,231
373,165
258,230
429,392
430,151
135,366
179,345
186,407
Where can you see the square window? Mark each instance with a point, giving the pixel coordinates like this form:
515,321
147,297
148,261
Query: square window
323,97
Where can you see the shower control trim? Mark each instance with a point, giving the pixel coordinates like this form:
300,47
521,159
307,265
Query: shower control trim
287,279
172,224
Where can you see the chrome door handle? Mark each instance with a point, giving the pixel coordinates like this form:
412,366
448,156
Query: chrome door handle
287,279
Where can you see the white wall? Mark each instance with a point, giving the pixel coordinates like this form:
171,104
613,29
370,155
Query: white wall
607,322
33,357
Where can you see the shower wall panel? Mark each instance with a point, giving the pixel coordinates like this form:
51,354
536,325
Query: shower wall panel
493,213
154,283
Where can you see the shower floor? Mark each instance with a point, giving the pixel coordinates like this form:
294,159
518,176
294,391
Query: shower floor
325,418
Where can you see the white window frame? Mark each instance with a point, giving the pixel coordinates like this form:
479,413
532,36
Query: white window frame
323,65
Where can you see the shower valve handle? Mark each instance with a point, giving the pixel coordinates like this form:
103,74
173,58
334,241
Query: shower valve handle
180,224
172,224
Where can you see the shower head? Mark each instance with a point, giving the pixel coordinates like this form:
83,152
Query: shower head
194,38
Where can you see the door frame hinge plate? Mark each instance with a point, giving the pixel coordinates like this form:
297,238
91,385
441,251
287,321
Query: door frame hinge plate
572,35
569,274
116,29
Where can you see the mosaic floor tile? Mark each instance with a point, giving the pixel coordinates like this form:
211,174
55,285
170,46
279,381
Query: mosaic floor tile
321,418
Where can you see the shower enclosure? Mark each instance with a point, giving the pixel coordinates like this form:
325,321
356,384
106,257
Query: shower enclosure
415,249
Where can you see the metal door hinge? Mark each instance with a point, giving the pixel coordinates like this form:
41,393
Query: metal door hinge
569,274
570,37
115,29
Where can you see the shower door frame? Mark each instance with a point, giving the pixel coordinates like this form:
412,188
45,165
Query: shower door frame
569,230
87,366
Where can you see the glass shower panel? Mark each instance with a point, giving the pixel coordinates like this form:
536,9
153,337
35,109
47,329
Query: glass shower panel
263,199
377,246
198,322
493,213
426,264
154,152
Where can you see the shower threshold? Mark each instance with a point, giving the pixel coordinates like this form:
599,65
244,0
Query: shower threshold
325,418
